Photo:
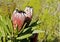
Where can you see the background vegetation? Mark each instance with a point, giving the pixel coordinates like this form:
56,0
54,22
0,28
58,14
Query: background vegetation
47,11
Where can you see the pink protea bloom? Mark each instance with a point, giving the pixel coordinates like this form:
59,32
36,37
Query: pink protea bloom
28,10
18,19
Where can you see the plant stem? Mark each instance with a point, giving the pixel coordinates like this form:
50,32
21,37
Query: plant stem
4,40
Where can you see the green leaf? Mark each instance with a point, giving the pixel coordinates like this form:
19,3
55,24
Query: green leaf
3,24
38,31
26,29
9,23
2,31
24,36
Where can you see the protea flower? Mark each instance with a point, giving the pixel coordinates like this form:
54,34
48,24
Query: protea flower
21,17
28,11
18,19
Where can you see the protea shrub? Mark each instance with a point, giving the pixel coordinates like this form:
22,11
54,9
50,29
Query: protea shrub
17,28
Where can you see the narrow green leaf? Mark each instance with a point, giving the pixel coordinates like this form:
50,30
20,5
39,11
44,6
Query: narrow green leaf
2,31
26,29
4,27
24,36
9,23
37,31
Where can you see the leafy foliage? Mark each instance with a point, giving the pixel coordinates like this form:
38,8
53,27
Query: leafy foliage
46,12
